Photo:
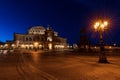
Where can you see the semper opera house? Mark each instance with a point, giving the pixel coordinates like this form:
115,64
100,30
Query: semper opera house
39,37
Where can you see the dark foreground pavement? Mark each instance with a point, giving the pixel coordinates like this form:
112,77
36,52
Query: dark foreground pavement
44,66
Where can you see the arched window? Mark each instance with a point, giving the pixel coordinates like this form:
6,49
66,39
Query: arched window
30,39
26,39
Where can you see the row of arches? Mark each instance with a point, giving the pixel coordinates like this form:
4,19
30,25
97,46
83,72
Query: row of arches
28,39
35,39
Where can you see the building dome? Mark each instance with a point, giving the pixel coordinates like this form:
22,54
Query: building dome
36,30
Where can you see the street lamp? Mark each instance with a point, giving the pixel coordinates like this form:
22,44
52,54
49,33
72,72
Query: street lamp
100,26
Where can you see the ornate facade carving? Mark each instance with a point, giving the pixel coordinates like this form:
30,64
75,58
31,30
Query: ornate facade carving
39,37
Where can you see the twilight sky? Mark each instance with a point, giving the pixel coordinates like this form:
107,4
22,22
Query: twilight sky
65,16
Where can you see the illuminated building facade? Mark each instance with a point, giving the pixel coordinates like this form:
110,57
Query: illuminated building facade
39,37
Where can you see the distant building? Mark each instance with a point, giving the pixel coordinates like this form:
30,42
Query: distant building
39,37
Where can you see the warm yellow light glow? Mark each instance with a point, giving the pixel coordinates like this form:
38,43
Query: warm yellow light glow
59,46
95,26
31,45
13,45
97,23
95,47
105,23
1,46
50,46
36,44
27,45
102,26
110,47
22,45
40,45
6,45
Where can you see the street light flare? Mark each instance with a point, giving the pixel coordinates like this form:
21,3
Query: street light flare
105,23
102,26
96,25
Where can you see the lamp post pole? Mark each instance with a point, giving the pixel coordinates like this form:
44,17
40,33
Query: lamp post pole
102,55
100,26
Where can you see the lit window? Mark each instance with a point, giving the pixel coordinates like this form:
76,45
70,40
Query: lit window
49,38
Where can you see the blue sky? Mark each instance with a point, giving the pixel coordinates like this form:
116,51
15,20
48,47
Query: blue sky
66,17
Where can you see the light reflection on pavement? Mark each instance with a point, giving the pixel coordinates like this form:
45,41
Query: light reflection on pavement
57,66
